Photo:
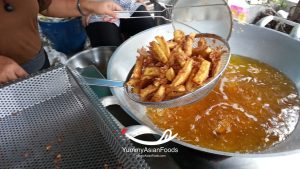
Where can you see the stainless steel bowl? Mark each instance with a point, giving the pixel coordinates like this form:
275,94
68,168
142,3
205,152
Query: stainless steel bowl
98,57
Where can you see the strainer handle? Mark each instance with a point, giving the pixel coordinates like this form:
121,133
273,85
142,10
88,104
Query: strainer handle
133,131
102,82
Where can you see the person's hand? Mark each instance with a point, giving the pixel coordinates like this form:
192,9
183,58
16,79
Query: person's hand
10,70
85,20
101,7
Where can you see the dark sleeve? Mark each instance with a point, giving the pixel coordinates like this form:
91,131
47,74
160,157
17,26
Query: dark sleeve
44,4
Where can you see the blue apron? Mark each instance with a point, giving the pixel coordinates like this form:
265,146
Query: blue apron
36,63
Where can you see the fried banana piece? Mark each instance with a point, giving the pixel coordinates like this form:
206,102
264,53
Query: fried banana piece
215,68
188,45
163,45
203,72
156,83
160,81
178,36
146,81
180,56
137,71
147,91
180,88
190,84
202,42
136,90
205,52
143,52
160,55
183,73
180,59
171,44
159,94
215,56
172,59
151,71
170,74
133,82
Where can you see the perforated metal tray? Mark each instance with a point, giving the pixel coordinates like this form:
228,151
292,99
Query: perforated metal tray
50,120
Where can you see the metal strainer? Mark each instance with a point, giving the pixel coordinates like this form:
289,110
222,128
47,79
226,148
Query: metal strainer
209,16
50,121
212,40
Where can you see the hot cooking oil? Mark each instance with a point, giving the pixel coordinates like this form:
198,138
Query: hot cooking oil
253,107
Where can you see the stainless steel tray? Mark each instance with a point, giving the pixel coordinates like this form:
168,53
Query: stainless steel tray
50,120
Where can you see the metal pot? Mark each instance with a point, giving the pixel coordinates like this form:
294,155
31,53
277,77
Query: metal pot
271,47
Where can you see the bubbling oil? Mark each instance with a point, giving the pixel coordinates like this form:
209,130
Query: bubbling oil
253,107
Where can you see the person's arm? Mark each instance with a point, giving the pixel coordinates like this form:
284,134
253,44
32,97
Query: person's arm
10,70
68,8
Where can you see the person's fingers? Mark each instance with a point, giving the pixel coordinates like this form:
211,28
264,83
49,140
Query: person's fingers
111,8
10,70
3,79
8,76
103,8
87,20
20,72
84,20
111,13
106,19
109,19
117,7
12,77
112,20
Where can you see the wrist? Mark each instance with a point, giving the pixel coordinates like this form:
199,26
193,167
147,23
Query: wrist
83,7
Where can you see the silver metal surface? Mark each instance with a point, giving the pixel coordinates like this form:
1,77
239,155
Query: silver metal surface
165,3
98,57
155,14
271,47
50,121
214,18
109,100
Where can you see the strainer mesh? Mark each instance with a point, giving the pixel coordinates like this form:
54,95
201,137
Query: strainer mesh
215,43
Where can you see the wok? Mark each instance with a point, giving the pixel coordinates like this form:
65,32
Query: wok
271,47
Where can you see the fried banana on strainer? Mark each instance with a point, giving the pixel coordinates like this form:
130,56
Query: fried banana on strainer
170,69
